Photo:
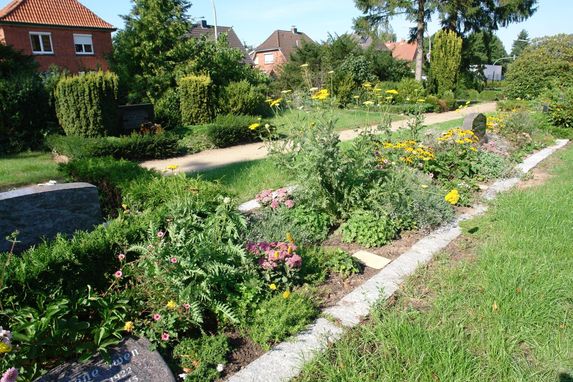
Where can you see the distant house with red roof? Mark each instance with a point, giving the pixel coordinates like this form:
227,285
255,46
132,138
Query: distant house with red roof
57,32
277,49
403,50
203,29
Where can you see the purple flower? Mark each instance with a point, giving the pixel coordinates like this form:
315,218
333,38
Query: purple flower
275,204
10,375
289,204
268,265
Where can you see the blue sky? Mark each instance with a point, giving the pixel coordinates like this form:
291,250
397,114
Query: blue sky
254,20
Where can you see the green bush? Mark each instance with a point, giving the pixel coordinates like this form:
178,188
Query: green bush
410,90
411,108
278,318
489,95
241,98
196,96
304,224
513,105
24,105
229,130
167,109
368,228
544,61
472,95
86,104
202,356
134,147
560,102
319,263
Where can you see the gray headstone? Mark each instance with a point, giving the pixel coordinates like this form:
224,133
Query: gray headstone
44,211
132,116
132,361
477,123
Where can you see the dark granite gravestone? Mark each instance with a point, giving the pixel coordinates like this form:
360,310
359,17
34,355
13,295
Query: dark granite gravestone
133,116
132,361
43,211
477,123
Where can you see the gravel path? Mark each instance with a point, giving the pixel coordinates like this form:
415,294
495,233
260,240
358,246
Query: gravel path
221,157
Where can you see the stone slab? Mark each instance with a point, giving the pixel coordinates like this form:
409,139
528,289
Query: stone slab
132,361
371,260
41,212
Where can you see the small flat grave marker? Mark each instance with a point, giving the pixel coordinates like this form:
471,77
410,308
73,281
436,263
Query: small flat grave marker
371,260
132,361
477,123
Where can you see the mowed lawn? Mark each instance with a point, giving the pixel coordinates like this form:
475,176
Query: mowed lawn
496,306
27,168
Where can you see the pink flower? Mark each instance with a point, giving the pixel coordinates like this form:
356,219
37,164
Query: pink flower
289,204
275,204
165,336
157,317
160,234
295,261
187,306
121,257
267,264
118,274
173,260
10,375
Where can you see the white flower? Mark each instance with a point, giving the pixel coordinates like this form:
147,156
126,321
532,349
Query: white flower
227,200
220,367
183,375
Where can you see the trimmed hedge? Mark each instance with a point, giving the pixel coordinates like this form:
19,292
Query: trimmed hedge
86,104
229,130
243,98
196,97
132,147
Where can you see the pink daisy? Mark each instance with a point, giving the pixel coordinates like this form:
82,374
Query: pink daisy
165,336
157,317
118,274
160,234
121,257
173,260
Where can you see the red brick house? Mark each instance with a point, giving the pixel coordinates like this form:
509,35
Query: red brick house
276,49
57,32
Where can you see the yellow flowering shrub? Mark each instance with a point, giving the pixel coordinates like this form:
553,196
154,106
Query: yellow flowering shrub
409,152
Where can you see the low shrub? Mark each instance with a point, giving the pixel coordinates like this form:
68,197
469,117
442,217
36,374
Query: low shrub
489,95
201,357
304,225
196,97
229,130
280,317
132,147
167,109
242,98
86,104
513,105
320,263
368,228
410,90
411,108
560,103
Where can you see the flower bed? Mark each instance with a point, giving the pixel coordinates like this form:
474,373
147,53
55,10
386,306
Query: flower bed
181,266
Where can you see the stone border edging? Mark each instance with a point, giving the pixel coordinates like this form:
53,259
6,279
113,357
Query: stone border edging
285,360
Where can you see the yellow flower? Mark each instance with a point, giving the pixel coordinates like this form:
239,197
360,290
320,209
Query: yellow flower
304,66
424,186
355,97
172,167
254,126
421,100
453,197
392,91
124,206
321,95
129,326
276,102
286,91
277,254
367,85
289,238
171,305
273,286
286,294
368,103
5,348
331,72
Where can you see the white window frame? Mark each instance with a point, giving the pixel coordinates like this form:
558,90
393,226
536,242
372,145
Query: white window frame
43,51
84,53
271,60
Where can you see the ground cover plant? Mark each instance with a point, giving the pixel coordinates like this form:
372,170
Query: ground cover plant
502,288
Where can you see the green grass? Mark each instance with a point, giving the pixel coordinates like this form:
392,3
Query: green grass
346,119
500,310
246,179
27,168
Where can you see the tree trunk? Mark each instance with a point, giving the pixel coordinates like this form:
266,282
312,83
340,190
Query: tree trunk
420,39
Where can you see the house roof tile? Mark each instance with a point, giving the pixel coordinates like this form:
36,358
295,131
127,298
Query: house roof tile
403,50
69,13
286,41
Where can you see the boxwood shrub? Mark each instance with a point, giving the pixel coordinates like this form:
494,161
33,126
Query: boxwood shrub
229,130
197,99
132,147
